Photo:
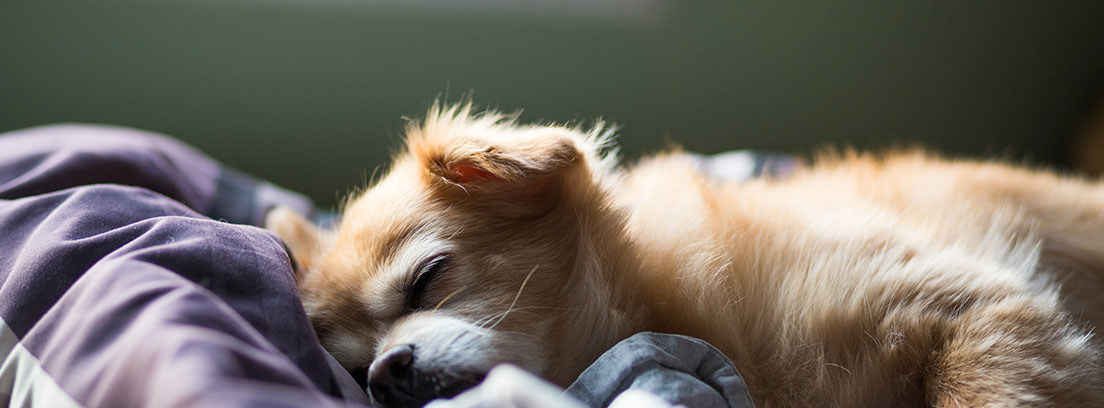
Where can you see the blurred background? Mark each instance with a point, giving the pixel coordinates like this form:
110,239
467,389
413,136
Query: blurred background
311,94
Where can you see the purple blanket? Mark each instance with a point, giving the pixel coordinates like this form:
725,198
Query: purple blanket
129,276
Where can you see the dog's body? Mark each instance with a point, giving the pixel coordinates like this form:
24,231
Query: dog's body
867,281
860,281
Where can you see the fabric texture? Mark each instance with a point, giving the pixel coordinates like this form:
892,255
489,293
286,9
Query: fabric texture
679,369
124,293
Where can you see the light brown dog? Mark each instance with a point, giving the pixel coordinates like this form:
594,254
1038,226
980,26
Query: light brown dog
862,280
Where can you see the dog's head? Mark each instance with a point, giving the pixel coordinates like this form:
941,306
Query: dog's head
469,252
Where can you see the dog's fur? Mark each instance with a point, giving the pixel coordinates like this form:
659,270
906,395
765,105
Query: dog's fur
862,280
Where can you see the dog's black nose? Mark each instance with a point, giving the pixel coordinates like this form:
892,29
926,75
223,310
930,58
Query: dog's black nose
392,379
395,381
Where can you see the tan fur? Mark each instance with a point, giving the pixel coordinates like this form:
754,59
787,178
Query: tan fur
899,280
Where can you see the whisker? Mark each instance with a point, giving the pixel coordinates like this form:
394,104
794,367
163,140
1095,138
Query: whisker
487,320
516,297
449,297
482,322
502,315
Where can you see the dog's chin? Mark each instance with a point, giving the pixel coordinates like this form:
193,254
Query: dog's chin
429,355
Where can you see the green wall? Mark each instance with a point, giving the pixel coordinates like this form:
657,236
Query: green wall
310,93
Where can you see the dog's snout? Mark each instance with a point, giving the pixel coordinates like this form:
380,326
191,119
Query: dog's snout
391,377
392,364
396,379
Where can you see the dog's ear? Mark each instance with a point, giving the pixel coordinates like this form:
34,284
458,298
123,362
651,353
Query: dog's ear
302,238
527,158
489,157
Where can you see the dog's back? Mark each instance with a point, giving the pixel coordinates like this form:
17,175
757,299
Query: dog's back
869,281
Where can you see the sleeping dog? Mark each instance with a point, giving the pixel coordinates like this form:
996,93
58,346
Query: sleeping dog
862,280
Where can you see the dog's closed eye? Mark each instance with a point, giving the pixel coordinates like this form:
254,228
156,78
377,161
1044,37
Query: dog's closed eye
422,278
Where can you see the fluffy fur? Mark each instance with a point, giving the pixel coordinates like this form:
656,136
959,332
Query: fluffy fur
897,280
